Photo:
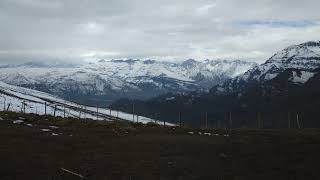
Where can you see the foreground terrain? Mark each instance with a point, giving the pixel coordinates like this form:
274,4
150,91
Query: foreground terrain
43,147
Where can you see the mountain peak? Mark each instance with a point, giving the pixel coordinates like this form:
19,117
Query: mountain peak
304,58
149,61
102,61
310,43
189,63
297,53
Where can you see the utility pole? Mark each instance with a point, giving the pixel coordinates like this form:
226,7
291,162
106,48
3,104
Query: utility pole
69,112
259,120
8,106
180,122
230,120
155,117
45,108
55,109
4,103
97,112
289,120
22,107
206,123
298,121
133,111
64,111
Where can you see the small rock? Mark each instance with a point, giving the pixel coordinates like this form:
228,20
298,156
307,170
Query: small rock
53,127
54,134
191,133
207,134
18,122
171,164
45,130
30,125
21,118
223,155
200,133
1,119
129,129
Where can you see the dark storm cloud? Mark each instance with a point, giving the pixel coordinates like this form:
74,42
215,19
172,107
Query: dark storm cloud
75,30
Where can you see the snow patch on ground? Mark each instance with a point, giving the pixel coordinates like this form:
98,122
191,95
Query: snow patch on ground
18,99
18,122
45,130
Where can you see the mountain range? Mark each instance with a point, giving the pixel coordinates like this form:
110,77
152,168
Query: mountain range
280,91
287,85
107,80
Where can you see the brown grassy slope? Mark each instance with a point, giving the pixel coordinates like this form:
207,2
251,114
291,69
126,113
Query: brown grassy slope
119,150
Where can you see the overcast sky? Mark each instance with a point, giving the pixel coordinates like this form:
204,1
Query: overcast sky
74,30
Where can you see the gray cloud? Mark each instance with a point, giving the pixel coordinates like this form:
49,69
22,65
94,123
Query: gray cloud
76,30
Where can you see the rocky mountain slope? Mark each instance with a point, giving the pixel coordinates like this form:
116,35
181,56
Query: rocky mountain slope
300,61
108,80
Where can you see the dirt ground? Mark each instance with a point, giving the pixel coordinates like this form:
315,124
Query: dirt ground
41,147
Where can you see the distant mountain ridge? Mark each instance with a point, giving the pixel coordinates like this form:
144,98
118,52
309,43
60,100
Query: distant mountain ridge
107,80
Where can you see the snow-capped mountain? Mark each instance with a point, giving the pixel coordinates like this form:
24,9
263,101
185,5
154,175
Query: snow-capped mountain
287,82
300,61
107,80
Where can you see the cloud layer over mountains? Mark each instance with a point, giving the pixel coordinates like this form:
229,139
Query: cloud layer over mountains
73,30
